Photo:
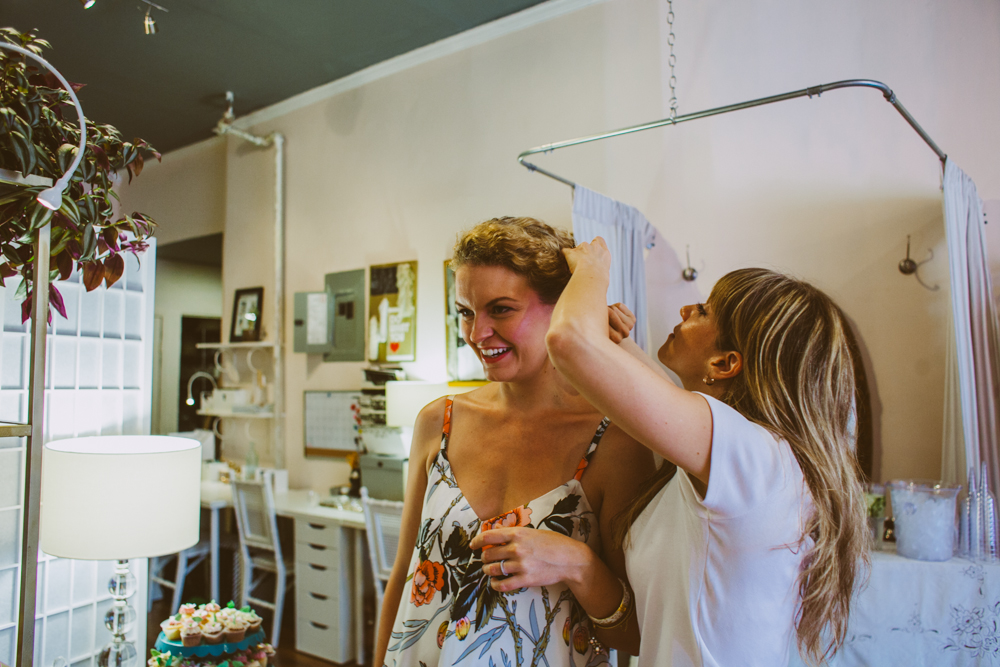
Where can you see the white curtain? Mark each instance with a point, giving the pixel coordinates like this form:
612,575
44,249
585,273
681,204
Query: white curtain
628,234
972,392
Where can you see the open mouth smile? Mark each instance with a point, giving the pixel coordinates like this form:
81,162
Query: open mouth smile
493,354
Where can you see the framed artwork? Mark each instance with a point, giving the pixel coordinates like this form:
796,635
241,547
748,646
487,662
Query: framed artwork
463,364
392,308
247,305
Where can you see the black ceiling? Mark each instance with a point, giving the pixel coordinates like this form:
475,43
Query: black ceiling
169,88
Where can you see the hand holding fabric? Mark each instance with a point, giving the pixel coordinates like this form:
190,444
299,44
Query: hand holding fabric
531,557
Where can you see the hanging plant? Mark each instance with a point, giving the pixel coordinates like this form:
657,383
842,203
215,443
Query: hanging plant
40,136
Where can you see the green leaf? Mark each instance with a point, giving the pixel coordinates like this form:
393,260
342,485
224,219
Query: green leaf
89,242
19,144
39,216
65,156
70,209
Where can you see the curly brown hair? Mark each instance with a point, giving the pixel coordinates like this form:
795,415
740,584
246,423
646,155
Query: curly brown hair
526,246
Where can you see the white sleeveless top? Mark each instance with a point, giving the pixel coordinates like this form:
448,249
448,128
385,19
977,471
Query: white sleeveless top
715,578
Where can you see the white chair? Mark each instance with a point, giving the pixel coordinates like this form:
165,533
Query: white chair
187,560
383,519
260,547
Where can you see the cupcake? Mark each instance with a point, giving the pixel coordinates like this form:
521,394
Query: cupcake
187,610
253,621
171,629
212,632
259,656
164,659
191,634
235,630
211,607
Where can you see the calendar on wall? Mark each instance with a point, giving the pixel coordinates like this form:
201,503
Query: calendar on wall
332,422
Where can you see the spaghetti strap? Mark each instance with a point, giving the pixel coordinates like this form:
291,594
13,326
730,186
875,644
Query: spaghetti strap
596,440
446,428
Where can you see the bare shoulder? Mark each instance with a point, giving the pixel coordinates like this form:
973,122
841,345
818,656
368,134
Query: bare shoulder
617,470
617,443
620,459
427,431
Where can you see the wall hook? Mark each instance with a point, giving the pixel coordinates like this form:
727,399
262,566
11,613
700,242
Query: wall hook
908,267
689,273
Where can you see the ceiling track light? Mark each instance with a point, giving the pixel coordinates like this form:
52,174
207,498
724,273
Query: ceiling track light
148,22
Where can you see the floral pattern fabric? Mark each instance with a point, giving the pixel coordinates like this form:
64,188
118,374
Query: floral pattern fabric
911,612
449,614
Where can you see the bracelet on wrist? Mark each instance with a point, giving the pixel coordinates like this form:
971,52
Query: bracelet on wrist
620,615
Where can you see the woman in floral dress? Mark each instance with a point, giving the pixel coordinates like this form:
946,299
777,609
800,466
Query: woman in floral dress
505,549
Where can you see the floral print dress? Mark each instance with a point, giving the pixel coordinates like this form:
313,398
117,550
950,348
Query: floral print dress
449,614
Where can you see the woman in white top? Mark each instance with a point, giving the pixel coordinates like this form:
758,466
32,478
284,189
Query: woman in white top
761,534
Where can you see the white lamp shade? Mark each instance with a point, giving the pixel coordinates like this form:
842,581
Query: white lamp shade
120,497
405,400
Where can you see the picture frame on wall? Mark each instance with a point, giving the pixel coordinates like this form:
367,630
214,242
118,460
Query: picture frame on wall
392,307
248,304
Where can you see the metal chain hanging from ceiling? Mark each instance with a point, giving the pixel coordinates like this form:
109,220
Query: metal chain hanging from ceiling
672,60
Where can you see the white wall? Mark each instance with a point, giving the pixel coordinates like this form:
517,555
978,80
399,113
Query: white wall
826,189
181,289
185,193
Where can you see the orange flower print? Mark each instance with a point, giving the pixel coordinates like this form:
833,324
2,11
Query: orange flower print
566,631
580,468
519,516
427,578
442,633
462,626
581,639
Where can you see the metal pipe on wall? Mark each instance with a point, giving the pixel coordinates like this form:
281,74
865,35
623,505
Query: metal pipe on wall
277,140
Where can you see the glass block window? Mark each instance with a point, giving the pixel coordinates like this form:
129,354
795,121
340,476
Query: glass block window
98,378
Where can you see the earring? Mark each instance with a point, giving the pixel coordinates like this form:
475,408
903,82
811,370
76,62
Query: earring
709,381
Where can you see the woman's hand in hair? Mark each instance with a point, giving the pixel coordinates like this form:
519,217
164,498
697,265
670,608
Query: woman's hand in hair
596,251
531,557
621,322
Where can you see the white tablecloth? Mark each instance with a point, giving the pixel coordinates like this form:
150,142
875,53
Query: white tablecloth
919,613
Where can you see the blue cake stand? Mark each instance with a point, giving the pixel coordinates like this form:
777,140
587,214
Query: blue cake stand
177,648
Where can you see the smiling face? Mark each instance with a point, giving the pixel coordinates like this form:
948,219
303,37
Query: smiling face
690,349
503,320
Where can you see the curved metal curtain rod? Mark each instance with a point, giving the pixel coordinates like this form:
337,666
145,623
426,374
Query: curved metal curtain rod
890,97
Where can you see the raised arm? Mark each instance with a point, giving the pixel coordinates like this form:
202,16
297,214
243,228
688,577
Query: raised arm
673,422
426,440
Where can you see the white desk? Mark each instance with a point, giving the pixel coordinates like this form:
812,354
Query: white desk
296,505
919,613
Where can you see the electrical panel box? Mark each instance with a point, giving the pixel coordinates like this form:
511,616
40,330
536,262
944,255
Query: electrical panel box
346,291
313,317
332,322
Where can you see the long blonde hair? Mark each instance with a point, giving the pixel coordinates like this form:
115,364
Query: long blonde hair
798,381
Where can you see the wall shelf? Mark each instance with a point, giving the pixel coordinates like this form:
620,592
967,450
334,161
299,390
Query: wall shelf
237,415
256,345
9,430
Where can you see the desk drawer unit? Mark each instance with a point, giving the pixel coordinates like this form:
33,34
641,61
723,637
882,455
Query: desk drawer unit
324,563
318,532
